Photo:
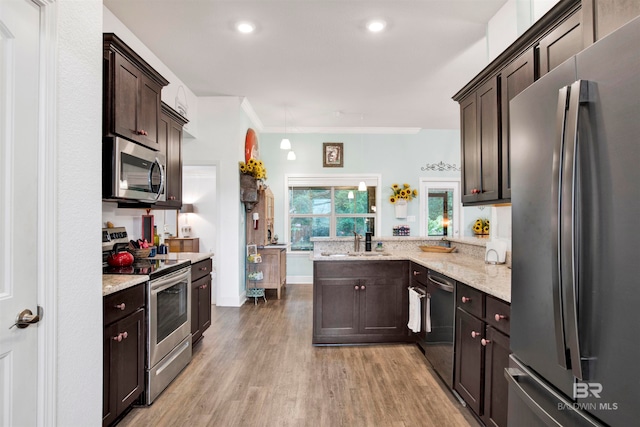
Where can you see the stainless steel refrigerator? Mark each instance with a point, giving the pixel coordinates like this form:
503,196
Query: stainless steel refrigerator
575,302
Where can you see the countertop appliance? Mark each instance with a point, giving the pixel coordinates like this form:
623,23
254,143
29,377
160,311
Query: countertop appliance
132,172
575,151
168,312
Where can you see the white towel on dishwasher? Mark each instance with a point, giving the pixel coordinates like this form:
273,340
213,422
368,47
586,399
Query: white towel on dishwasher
414,311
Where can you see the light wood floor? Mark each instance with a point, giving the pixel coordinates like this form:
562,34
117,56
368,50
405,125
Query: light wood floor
256,367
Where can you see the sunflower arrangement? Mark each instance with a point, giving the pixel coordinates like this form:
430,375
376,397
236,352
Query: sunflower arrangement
255,168
405,192
481,226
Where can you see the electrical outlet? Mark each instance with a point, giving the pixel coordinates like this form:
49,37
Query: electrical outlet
411,218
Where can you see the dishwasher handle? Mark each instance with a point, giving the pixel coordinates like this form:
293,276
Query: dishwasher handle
439,284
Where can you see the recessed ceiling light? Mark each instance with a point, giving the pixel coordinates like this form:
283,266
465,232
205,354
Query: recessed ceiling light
245,27
376,25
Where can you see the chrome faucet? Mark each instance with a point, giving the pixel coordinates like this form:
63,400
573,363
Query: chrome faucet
356,241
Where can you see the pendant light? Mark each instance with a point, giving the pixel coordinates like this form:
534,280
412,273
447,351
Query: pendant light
285,144
362,186
291,155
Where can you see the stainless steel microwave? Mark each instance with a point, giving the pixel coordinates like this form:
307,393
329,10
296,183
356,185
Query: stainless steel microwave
132,172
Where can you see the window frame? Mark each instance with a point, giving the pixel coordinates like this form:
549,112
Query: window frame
332,182
440,183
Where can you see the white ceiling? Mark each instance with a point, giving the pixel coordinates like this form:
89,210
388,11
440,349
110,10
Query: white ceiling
316,59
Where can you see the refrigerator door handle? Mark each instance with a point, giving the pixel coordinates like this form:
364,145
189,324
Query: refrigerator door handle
570,235
556,228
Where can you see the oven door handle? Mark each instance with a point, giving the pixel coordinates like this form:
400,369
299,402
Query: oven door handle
441,285
159,285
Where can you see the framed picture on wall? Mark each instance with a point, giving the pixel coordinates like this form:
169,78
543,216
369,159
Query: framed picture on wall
332,154
252,250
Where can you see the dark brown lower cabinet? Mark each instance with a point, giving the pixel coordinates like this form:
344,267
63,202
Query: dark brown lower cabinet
482,354
469,359
360,302
200,299
496,389
124,352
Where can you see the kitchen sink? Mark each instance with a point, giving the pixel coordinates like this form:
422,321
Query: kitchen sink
354,254
368,254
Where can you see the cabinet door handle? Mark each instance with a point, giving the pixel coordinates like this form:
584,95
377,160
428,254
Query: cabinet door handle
356,287
117,338
475,334
125,335
203,269
121,306
466,300
484,342
499,317
416,273
362,288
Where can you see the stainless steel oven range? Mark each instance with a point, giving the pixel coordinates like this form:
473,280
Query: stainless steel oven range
168,319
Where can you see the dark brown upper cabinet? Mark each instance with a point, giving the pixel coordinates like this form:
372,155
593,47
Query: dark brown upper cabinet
515,78
480,141
131,94
561,43
170,142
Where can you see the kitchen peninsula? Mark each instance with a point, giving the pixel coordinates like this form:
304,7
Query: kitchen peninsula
459,313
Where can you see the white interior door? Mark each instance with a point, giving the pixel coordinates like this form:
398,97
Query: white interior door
20,117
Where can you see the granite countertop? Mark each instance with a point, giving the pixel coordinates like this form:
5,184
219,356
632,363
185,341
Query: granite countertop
112,283
494,280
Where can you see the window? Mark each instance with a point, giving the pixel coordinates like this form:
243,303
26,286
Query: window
320,210
440,208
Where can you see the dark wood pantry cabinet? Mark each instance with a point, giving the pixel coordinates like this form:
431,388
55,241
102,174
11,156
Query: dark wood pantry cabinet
200,299
360,301
131,94
482,353
124,347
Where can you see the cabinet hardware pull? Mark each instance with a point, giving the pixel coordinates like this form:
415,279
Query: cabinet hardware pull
484,342
416,273
475,334
362,288
203,268
117,338
499,317
356,287
465,300
125,335
121,306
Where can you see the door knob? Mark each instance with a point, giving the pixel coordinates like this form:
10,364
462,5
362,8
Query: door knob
26,318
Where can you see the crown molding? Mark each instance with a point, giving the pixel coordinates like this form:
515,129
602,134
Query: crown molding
345,130
251,113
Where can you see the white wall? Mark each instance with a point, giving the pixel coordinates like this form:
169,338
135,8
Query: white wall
220,143
79,272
